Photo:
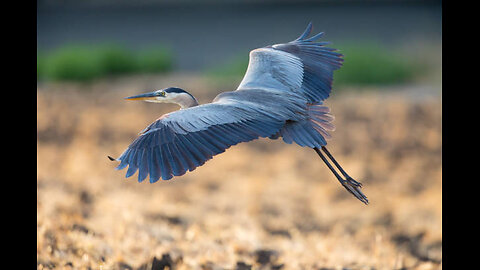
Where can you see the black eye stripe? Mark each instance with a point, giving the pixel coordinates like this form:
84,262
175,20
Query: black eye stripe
178,91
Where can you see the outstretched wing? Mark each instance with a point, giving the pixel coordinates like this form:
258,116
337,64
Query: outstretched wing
183,140
303,66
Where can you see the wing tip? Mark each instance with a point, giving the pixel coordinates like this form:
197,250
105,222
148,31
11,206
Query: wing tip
315,37
306,32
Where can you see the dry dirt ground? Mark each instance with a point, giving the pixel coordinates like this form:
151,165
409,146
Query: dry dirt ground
259,205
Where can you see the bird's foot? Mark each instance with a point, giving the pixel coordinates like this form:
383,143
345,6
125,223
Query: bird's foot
353,182
354,187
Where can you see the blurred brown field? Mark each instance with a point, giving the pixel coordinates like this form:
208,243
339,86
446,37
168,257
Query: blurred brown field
259,205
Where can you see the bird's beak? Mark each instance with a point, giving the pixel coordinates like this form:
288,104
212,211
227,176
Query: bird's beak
146,96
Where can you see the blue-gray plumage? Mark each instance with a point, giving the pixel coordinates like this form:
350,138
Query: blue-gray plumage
281,95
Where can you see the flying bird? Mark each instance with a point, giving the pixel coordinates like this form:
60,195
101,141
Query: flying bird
280,96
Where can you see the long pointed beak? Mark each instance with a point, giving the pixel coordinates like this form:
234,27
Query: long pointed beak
146,96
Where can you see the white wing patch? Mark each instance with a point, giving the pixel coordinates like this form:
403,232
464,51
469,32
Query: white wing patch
273,69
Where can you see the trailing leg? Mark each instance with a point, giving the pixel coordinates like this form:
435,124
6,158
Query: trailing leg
348,178
349,183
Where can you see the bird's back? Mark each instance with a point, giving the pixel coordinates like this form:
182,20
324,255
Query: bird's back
284,106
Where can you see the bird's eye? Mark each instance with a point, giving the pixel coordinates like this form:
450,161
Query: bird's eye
162,93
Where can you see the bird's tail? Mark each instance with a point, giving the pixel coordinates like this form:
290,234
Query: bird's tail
311,132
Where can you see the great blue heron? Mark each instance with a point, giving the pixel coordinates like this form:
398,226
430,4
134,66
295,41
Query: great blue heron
281,95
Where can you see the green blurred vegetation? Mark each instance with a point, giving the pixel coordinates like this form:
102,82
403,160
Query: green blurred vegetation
85,63
235,67
371,64
365,64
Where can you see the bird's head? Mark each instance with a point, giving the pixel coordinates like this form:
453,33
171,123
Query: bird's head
168,95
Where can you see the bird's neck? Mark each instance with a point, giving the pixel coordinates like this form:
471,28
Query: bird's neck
185,101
